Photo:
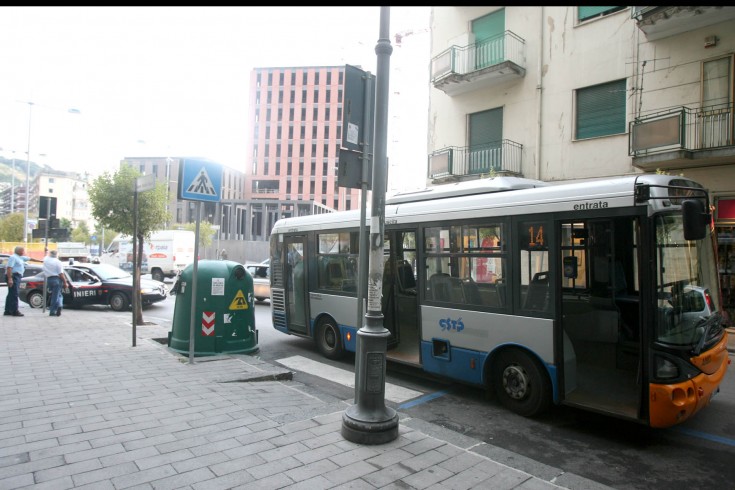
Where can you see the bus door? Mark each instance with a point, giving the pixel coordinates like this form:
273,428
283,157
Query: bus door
400,300
600,315
297,308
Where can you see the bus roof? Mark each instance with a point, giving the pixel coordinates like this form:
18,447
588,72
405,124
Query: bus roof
587,194
479,186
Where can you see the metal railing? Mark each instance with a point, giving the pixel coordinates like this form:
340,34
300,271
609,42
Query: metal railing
503,157
462,60
682,128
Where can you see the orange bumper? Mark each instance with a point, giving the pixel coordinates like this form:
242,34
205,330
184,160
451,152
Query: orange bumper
672,404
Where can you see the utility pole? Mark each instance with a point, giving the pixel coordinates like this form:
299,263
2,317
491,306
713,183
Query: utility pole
369,421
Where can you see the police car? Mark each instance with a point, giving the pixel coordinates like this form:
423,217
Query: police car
94,284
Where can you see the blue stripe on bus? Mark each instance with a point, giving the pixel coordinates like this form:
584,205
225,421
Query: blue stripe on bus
456,365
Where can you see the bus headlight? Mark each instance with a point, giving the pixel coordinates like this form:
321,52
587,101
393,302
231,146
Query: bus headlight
666,369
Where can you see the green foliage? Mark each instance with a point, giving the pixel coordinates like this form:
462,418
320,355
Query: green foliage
112,201
65,223
11,227
81,233
206,232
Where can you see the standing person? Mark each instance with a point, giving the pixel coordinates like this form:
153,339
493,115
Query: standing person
53,271
14,270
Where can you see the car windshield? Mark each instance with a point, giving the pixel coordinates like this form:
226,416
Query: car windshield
108,272
687,288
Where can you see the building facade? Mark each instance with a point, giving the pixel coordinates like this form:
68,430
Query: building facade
295,135
557,93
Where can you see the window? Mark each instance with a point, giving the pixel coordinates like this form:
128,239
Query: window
587,13
600,110
337,259
465,265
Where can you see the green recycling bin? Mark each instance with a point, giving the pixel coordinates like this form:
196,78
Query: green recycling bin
224,315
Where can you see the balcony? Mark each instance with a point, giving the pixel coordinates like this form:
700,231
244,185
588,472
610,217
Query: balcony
454,163
683,138
661,22
462,69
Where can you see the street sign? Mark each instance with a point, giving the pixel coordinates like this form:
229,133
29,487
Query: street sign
46,207
200,180
145,183
359,99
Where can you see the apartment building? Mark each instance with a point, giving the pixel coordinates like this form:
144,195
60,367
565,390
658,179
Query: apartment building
557,93
296,131
70,191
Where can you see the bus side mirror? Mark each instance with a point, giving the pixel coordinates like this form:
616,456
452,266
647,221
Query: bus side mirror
695,219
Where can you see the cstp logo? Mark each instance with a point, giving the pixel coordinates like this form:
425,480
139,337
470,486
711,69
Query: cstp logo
447,324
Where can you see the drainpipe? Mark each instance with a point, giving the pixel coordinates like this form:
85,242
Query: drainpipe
539,93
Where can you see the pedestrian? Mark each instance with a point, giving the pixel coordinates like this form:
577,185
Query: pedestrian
53,271
223,254
14,270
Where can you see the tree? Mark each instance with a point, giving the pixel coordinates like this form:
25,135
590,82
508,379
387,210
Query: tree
80,233
206,231
11,227
65,223
112,199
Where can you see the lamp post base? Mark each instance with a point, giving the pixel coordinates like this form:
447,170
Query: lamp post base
369,432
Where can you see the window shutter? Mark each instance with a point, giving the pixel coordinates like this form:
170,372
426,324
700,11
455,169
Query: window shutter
601,110
584,13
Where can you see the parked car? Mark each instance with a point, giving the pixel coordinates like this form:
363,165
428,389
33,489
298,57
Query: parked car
33,267
94,284
261,280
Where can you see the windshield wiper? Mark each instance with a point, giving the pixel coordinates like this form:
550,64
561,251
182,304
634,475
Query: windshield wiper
707,323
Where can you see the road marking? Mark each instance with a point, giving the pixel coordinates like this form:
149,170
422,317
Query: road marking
393,392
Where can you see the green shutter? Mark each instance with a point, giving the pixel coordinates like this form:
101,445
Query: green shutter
486,127
601,110
489,32
584,13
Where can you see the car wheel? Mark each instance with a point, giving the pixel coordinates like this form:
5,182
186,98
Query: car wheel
521,383
328,339
157,275
35,299
119,302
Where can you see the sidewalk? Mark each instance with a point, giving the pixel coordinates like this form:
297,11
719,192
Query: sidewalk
81,408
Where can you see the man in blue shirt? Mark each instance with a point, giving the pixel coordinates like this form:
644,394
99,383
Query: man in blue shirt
14,270
53,270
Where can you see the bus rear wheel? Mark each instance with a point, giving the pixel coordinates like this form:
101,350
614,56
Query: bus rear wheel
521,383
328,339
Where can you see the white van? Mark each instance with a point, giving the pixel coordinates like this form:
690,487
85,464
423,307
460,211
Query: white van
165,254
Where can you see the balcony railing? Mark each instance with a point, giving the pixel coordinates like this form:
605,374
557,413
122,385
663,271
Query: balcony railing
682,128
502,157
499,57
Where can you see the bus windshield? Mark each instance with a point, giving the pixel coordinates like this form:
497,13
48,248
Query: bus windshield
687,286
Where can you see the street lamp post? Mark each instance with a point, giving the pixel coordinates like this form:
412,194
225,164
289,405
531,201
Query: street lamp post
28,167
28,175
12,187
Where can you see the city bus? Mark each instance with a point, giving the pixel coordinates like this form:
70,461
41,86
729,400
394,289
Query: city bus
600,294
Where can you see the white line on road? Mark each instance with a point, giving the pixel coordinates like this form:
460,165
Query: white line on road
393,392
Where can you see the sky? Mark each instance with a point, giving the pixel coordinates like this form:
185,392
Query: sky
104,83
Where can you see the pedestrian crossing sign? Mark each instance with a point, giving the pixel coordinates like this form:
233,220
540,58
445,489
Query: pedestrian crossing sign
239,303
200,180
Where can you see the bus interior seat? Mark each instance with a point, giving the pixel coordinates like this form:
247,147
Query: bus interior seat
334,275
472,292
446,288
537,295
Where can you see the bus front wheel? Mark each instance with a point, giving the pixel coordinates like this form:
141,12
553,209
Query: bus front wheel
521,383
328,339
